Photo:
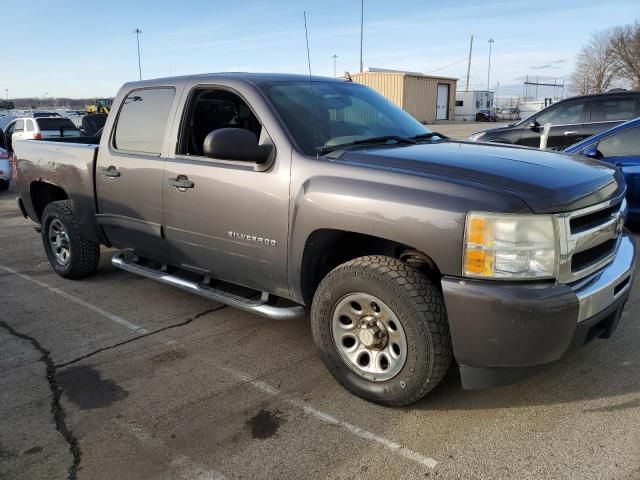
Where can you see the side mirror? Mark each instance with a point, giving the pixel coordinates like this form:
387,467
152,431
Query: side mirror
592,152
533,125
235,144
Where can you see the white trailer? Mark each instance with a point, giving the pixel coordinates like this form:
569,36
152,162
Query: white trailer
468,103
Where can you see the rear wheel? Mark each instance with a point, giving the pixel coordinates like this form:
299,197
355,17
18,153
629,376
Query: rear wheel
4,185
382,330
70,255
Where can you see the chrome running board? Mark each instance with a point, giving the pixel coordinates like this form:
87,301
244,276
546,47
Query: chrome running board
259,307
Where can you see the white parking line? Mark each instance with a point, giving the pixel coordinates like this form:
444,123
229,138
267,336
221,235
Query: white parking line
260,385
78,301
327,418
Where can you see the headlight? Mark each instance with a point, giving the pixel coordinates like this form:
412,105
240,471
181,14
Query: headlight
476,136
506,246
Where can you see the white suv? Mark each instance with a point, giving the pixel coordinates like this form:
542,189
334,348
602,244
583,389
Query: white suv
36,128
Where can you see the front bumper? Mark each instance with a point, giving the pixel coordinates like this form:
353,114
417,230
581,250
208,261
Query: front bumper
503,332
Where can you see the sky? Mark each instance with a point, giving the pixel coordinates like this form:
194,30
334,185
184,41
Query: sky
83,48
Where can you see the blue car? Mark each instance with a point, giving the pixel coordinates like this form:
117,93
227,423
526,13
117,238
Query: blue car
619,146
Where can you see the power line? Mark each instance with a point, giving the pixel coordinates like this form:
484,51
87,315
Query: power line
447,66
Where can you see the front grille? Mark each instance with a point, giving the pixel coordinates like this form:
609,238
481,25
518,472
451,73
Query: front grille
590,220
592,255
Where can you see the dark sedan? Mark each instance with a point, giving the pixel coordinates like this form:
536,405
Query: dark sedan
486,116
572,120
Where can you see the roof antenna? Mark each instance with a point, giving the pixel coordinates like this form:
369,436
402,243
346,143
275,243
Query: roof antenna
313,97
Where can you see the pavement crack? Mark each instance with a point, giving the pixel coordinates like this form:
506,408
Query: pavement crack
59,414
144,335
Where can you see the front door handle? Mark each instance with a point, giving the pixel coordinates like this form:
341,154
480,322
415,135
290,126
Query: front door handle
570,132
181,182
110,172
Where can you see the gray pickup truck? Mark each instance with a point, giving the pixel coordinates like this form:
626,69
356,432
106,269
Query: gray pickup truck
279,194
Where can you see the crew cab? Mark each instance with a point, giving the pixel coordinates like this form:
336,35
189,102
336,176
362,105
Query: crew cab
281,194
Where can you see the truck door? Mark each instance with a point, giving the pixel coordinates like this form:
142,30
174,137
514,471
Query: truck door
129,173
229,220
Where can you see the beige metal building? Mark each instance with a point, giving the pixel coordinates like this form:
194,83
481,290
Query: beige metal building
425,97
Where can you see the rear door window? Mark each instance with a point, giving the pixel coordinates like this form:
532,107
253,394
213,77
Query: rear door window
611,109
143,120
19,126
623,144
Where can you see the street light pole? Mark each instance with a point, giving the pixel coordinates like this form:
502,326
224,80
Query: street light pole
489,69
137,32
361,31
335,57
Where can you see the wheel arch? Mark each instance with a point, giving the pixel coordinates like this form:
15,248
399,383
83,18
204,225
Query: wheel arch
327,248
42,194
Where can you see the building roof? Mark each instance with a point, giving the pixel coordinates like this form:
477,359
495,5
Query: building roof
405,73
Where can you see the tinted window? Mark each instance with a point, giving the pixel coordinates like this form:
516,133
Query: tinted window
30,127
610,109
143,119
562,114
623,144
53,124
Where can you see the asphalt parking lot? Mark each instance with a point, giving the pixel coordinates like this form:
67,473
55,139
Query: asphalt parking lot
116,376
462,130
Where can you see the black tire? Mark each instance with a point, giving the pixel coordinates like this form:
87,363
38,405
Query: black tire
417,304
4,185
84,255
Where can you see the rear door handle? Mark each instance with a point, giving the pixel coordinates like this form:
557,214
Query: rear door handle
110,172
181,182
570,132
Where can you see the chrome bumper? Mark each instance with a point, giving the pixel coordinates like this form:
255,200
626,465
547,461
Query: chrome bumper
601,289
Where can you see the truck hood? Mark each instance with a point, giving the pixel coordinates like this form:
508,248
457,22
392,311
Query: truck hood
546,181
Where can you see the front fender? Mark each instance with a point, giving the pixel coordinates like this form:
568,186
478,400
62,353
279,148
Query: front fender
427,214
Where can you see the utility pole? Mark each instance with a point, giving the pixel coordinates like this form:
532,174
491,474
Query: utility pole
137,32
489,69
469,63
361,31
335,57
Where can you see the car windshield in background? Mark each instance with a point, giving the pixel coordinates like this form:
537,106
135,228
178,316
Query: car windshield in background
346,114
50,127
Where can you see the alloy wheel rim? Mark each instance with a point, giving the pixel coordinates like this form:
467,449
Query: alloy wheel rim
369,337
59,241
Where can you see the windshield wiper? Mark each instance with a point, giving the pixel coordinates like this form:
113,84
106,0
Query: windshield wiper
427,136
369,141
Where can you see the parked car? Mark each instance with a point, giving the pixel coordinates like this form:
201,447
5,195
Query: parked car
6,170
410,250
619,146
36,128
572,120
486,116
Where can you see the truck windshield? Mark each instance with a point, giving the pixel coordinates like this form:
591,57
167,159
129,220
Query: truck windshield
323,115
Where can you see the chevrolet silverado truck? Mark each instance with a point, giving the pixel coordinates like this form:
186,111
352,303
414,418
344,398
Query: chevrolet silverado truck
282,194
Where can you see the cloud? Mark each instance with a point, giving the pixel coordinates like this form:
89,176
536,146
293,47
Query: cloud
549,65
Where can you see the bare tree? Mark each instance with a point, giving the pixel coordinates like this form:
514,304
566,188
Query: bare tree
596,67
625,49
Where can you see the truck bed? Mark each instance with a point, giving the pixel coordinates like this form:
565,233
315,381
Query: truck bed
69,164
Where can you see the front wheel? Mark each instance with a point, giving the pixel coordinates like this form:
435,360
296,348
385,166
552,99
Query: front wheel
381,327
70,254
